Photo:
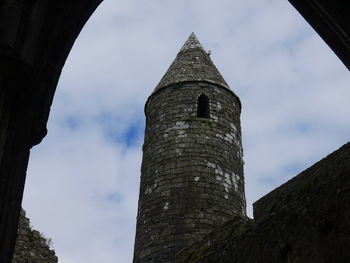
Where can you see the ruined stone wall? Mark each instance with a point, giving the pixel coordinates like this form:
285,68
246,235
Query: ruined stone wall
304,220
192,169
31,245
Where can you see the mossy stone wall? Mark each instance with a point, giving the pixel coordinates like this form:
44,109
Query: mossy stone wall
31,245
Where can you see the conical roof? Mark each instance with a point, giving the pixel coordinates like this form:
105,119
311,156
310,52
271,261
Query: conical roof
192,63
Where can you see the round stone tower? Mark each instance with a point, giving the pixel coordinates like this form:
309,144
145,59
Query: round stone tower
192,168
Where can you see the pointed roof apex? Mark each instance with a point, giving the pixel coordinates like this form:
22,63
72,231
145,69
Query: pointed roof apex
192,63
191,42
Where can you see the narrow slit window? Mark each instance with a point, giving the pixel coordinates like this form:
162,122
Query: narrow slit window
203,107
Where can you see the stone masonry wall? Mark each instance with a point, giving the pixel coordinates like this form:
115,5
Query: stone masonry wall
304,220
31,245
192,169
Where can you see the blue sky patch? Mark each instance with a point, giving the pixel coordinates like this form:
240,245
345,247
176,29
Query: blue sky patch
115,197
132,135
72,122
128,132
292,169
268,180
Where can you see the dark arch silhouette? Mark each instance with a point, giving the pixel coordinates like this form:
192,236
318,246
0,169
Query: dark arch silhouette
203,110
35,39
33,51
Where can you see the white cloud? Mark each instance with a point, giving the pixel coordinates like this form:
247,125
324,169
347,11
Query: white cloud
89,197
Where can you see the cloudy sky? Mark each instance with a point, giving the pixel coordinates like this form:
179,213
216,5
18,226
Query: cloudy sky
83,179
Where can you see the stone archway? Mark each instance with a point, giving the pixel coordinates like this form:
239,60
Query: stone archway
35,39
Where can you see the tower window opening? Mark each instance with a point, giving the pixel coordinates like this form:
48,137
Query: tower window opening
203,107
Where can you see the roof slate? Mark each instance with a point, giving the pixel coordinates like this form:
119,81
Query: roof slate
192,63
